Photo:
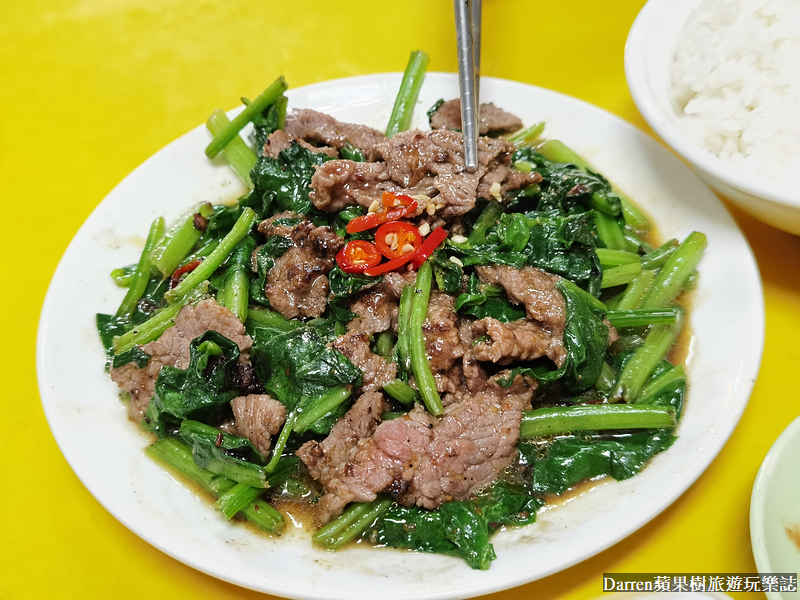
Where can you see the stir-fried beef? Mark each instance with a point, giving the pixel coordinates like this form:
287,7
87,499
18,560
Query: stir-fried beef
534,288
442,342
172,349
376,309
327,461
313,126
418,459
505,343
258,417
448,116
297,286
280,140
420,163
376,370
395,282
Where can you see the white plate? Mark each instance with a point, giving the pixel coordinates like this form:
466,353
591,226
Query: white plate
106,451
775,509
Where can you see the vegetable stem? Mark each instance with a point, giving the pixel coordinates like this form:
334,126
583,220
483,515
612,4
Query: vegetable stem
619,275
173,246
526,136
639,366
235,499
141,276
401,391
419,358
384,344
240,229
408,93
325,404
657,257
488,217
609,231
676,271
352,523
266,317
239,156
635,291
641,317
660,383
404,317
594,417
615,258
257,106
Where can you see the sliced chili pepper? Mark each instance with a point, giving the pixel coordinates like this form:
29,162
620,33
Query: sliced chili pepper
358,255
392,200
379,218
416,259
435,237
397,239
175,279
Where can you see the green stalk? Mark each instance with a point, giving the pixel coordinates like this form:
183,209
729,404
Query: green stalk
619,275
638,368
526,136
558,152
280,444
615,258
235,499
658,257
660,383
257,106
401,391
633,243
404,317
235,292
238,155
281,104
385,344
178,455
609,231
266,317
141,276
174,245
635,291
240,229
325,404
642,317
489,216
594,417
388,416
203,251
419,357
674,274
634,217
352,523
607,378
243,472
408,93
122,276
600,201
597,304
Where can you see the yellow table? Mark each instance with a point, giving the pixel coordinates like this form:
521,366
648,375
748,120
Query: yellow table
90,88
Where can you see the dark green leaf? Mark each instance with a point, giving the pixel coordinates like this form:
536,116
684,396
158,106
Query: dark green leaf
344,285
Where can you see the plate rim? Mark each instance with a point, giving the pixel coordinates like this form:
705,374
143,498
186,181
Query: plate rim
165,546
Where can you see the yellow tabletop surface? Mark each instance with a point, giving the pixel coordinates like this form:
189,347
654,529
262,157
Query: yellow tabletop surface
90,88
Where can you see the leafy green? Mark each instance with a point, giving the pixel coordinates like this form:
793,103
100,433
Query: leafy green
344,285
575,458
298,363
449,275
436,106
350,152
460,528
283,183
511,234
201,391
134,355
484,300
265,123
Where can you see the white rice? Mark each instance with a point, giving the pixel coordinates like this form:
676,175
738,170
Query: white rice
736,84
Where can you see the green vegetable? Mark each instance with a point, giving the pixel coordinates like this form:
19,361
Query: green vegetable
177,455
265,317
238,155
256,107
122,276
641,317
620,275
234,294
141,276
235,499
350,152
638,368
401,391
176,244
635,291
351,524
408,93
527,135
673,276
481,300
419,358
656,258
561,419
403,345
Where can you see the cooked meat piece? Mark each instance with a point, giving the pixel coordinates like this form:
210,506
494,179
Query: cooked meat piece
420,163
420,460
339,183
280,140
448,116
257,417
327,460
395,282
442,342
517,341
522,386
314,126
532,287
297,285
376,370
376,309
172,349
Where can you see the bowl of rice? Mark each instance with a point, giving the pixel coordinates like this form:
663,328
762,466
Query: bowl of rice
719,82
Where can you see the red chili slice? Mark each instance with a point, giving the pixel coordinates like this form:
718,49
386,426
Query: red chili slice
371,220
416,259
392,200
357,256
175,279
397,239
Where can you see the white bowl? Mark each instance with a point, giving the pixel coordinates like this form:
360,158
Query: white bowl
648,62
775,509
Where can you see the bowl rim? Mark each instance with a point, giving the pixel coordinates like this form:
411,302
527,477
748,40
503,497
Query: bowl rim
637,48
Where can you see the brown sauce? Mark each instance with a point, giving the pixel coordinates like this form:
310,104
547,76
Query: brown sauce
792,532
